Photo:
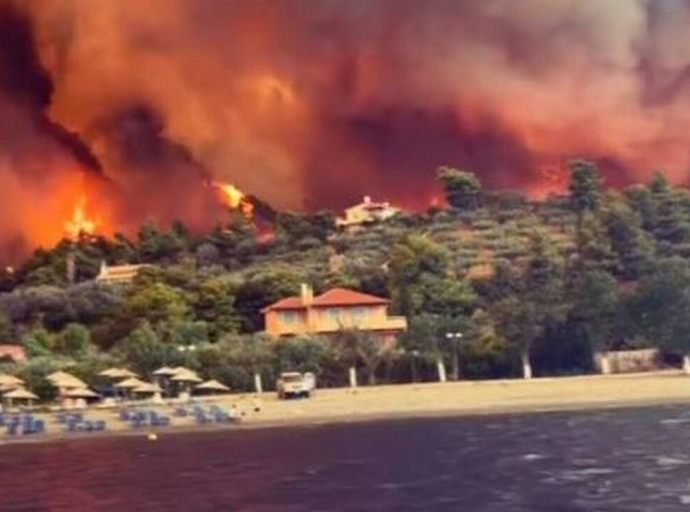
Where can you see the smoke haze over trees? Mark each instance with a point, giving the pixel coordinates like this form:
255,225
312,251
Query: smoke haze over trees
310,104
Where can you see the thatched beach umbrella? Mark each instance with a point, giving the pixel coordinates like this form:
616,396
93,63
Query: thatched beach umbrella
185,378
10,380
20,394
163,376
117,373
165,371
6,388
130,383
147,388
63,380
185,375
213,386
81,393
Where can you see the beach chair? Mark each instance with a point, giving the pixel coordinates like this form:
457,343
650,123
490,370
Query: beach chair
72,425
99,425
181,412
61,418
12,429
39,427
125,415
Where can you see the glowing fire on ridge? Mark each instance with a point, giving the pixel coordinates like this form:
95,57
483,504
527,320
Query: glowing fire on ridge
80,223
235,198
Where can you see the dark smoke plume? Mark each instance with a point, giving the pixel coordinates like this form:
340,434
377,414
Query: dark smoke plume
314,103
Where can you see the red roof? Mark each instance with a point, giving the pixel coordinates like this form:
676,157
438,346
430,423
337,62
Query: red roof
14,352
287,303
345,297
333,297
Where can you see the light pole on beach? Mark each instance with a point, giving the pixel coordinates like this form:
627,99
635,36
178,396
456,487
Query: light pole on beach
454,338
187,350
413,360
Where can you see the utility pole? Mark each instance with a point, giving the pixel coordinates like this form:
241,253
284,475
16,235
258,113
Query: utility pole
454,338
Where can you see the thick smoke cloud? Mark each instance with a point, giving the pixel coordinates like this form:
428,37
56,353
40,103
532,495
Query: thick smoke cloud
313,103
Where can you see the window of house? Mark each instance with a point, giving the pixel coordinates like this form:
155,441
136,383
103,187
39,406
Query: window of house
289,317
335,314
359,313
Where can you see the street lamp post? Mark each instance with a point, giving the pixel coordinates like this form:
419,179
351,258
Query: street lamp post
415,355
187,350
454,338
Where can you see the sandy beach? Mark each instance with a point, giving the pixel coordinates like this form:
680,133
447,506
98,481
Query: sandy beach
408,400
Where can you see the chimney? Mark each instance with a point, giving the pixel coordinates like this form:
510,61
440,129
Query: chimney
307,294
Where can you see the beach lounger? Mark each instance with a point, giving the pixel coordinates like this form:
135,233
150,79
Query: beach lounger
99,425
39,427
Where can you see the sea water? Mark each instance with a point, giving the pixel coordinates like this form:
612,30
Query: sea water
616,460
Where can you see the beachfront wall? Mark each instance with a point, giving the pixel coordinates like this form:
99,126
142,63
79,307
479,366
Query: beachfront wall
630,361
334,311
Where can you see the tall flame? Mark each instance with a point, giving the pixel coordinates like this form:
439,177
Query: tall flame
80,224
235,198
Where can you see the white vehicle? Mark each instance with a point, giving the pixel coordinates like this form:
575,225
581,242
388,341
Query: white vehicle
295,385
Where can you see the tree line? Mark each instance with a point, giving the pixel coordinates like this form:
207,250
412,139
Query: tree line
494,285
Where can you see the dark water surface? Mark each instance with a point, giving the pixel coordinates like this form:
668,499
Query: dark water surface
623,460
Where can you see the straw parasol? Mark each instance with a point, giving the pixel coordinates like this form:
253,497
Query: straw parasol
130,383
147,388
20,394
212,385
185,375
4,388
117,373
64,380
10,380
165,371
81,393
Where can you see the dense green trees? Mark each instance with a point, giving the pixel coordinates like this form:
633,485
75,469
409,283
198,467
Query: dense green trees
462,188
531,286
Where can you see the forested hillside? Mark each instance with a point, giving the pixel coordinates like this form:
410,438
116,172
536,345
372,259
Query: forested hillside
551,280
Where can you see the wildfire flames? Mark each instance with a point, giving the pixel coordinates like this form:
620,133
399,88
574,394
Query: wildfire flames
235,199
80,224
317,104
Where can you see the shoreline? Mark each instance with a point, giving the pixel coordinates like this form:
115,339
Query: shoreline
410,401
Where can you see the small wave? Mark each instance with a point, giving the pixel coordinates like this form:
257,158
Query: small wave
674,421
533,456
671,461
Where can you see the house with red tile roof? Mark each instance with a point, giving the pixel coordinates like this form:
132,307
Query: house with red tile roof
333,311
14,353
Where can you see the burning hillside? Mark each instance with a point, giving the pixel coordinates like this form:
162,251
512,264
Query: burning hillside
312,104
